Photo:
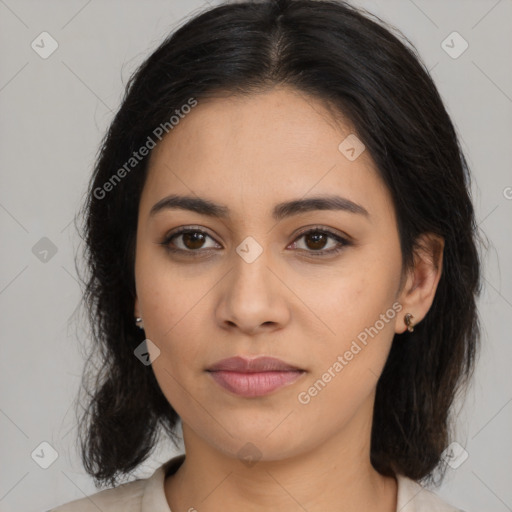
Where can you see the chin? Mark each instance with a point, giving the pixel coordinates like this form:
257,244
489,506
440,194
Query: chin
256,444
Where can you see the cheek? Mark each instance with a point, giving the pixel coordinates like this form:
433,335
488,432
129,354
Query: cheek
348,364
177,328
166,294
173,320
354,297
358,309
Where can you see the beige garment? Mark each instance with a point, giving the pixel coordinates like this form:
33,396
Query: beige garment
147,495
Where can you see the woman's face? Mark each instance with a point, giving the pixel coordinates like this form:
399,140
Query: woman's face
249,283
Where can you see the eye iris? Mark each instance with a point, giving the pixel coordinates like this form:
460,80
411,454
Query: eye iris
318,239
193,237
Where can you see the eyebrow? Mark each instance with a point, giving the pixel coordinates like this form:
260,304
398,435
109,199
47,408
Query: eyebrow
281,210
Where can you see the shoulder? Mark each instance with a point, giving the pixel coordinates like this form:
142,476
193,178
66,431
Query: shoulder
141,495
412,497
126,497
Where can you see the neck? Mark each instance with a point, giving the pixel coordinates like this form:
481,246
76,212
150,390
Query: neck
334,476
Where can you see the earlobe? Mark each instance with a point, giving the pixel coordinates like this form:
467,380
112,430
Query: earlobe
409,322
137,315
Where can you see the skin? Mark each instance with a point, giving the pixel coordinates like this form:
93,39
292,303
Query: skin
250,153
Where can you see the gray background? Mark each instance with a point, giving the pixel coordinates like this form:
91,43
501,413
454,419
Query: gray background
54,112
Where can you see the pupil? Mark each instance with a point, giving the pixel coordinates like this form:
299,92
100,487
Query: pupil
317,240
193,240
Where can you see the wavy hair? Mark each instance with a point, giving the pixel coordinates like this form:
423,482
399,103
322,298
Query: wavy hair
368,75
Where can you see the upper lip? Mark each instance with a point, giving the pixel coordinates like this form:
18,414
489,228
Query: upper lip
259,364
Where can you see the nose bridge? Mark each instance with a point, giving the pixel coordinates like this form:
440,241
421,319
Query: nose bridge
251,296
251,264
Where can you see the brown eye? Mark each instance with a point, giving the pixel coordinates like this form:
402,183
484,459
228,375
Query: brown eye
188,240
193,239
192,242
315,241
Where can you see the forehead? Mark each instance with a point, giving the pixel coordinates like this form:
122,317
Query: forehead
262,149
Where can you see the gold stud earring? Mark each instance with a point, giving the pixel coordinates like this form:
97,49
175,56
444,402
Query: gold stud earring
408,321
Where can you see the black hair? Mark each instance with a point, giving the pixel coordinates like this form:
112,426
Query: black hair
375,80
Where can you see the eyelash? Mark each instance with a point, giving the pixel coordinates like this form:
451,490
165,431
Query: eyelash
196,253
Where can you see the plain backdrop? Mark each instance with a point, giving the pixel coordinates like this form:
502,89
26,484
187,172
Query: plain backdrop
54,112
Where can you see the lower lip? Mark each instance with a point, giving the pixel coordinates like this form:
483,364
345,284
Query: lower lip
254,384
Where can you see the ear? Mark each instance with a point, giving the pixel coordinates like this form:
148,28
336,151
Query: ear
417,294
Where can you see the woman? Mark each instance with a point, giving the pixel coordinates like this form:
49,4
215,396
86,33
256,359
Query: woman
282,256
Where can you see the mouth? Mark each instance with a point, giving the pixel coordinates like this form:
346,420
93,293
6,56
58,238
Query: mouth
253,377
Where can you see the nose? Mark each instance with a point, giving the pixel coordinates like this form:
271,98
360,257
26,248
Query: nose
253,297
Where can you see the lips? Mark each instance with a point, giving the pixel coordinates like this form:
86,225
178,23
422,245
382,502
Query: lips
260,364
253,377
